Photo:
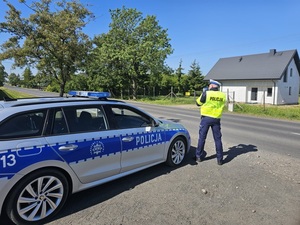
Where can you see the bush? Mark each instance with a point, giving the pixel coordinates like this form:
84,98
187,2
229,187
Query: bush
52,88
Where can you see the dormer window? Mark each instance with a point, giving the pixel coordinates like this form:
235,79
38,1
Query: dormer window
291,72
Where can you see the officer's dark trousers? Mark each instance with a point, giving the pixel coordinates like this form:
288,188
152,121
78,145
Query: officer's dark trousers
205,124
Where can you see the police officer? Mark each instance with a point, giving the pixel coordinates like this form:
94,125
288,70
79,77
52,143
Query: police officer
212,103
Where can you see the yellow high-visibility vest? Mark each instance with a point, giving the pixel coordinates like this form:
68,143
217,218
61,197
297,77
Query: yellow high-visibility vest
214,104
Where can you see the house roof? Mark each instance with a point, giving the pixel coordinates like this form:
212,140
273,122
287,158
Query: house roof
265,66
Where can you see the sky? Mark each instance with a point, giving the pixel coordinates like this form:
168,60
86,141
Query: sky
204,30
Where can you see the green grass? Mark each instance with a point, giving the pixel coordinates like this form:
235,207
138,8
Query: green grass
4,92
167,100
289,112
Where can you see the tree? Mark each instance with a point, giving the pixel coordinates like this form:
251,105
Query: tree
134,49
42,81
157,83
14,79
28,78
167,82
196,81
51,38
179,74
3,75
105,70
78,82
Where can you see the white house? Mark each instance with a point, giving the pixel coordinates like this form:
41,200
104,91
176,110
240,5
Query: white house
271,78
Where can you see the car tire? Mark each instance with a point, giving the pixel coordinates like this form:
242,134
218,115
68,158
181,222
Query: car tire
176,152
37,197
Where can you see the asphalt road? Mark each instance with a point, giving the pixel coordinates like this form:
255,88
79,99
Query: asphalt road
258,184
271,135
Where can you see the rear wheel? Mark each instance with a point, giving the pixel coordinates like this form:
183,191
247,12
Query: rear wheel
37,197
176,152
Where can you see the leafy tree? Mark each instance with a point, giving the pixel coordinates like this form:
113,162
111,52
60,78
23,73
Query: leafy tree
134,49
179,74
3,75
157,83
28,78
42,81
196,82
51,38
185,83
14,79
105,70
167,82
78,82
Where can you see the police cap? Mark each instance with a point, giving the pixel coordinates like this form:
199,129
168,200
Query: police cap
211,81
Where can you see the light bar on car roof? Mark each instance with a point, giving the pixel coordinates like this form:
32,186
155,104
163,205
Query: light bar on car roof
90,94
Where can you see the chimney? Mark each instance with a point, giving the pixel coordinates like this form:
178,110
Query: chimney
272,51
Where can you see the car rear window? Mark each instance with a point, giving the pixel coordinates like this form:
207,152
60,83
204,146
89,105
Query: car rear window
29,124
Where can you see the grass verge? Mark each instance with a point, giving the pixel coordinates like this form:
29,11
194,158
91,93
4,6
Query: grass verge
163,100
289,112
4,92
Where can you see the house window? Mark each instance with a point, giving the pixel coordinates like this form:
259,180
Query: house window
285,77
253,94
290,90
269,92
291,72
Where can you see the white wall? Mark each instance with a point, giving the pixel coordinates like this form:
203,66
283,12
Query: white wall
241,90
293,83
235,89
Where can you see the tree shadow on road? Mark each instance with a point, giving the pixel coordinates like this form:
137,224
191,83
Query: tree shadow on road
235,151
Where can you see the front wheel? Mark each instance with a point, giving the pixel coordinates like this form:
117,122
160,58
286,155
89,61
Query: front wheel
176,152
37,197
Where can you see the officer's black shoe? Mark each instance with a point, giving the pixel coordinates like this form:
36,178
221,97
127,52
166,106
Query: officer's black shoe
198,159
201,158
220,162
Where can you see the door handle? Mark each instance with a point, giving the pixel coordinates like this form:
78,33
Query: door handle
68,147
127,139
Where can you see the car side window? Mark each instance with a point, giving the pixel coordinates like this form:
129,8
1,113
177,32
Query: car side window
29,124
59,123
79,119
126,117
91,119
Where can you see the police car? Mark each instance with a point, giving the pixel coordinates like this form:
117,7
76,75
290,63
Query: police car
53,147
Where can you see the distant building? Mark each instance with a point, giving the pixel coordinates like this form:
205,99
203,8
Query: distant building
271,78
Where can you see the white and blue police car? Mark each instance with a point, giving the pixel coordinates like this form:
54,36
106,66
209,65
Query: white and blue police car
53,147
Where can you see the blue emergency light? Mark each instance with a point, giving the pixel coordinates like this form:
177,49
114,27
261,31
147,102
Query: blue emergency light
90,94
